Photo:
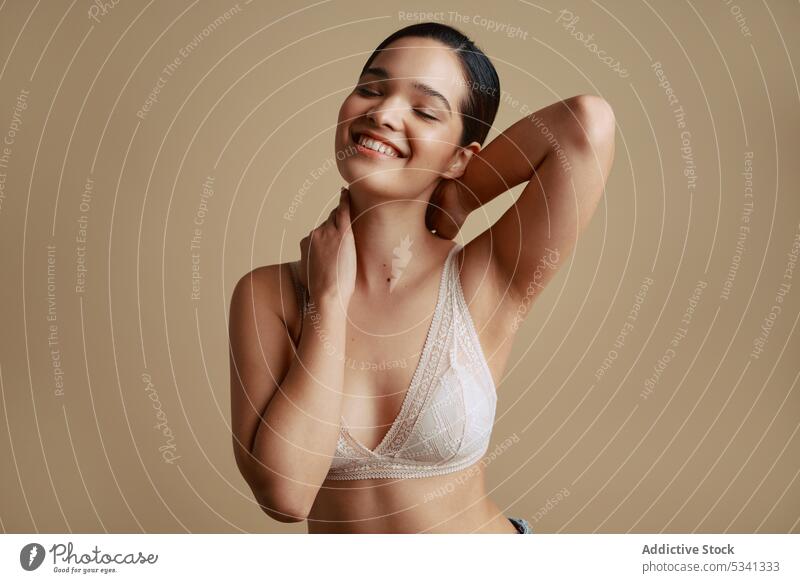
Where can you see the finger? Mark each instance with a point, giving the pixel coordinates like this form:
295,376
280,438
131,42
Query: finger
331,217
344,209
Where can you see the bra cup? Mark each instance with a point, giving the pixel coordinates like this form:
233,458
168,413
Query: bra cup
480,402
439,430
345,454
455,421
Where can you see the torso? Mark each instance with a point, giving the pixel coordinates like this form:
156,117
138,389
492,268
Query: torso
382,354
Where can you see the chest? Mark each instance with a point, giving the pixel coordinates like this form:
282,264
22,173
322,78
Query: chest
397,359
385,350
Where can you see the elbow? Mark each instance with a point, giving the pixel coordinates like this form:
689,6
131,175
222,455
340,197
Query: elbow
282,501
282,507
593,124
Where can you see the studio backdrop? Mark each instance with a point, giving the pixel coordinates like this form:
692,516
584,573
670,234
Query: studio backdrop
154,152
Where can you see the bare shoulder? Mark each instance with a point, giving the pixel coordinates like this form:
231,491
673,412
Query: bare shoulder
268,291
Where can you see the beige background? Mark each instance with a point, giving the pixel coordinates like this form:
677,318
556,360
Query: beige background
253,104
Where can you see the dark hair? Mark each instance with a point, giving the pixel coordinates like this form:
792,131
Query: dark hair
479,107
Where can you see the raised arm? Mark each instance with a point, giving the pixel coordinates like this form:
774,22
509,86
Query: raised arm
565,152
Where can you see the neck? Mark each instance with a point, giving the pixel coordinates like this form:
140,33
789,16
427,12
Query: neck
391,239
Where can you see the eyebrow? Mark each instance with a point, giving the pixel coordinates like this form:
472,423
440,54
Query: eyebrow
426,89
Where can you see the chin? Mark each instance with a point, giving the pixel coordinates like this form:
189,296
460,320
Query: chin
378,187
386,180
381,182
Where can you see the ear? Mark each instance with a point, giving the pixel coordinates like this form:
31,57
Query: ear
460,160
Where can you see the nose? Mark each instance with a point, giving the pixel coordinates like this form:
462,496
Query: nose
387,113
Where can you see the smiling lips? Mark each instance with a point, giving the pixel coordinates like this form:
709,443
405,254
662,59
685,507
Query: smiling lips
374,148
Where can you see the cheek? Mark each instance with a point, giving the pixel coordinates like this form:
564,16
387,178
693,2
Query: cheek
345,110
346,113
433,149
343,122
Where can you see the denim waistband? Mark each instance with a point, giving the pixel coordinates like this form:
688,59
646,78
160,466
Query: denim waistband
521,525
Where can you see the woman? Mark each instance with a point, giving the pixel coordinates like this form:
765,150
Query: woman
339,416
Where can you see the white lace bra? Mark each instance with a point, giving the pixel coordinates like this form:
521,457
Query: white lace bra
445,422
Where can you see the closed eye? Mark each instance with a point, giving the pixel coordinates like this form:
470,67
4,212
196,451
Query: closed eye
364,91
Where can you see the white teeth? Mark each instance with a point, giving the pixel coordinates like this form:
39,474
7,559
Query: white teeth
377,146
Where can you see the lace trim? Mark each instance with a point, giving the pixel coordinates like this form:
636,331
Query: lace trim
422,384
467,330
387,468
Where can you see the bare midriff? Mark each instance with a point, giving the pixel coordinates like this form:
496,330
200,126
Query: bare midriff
451,503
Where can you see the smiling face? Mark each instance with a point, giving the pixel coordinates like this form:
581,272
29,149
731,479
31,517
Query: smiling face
406,104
